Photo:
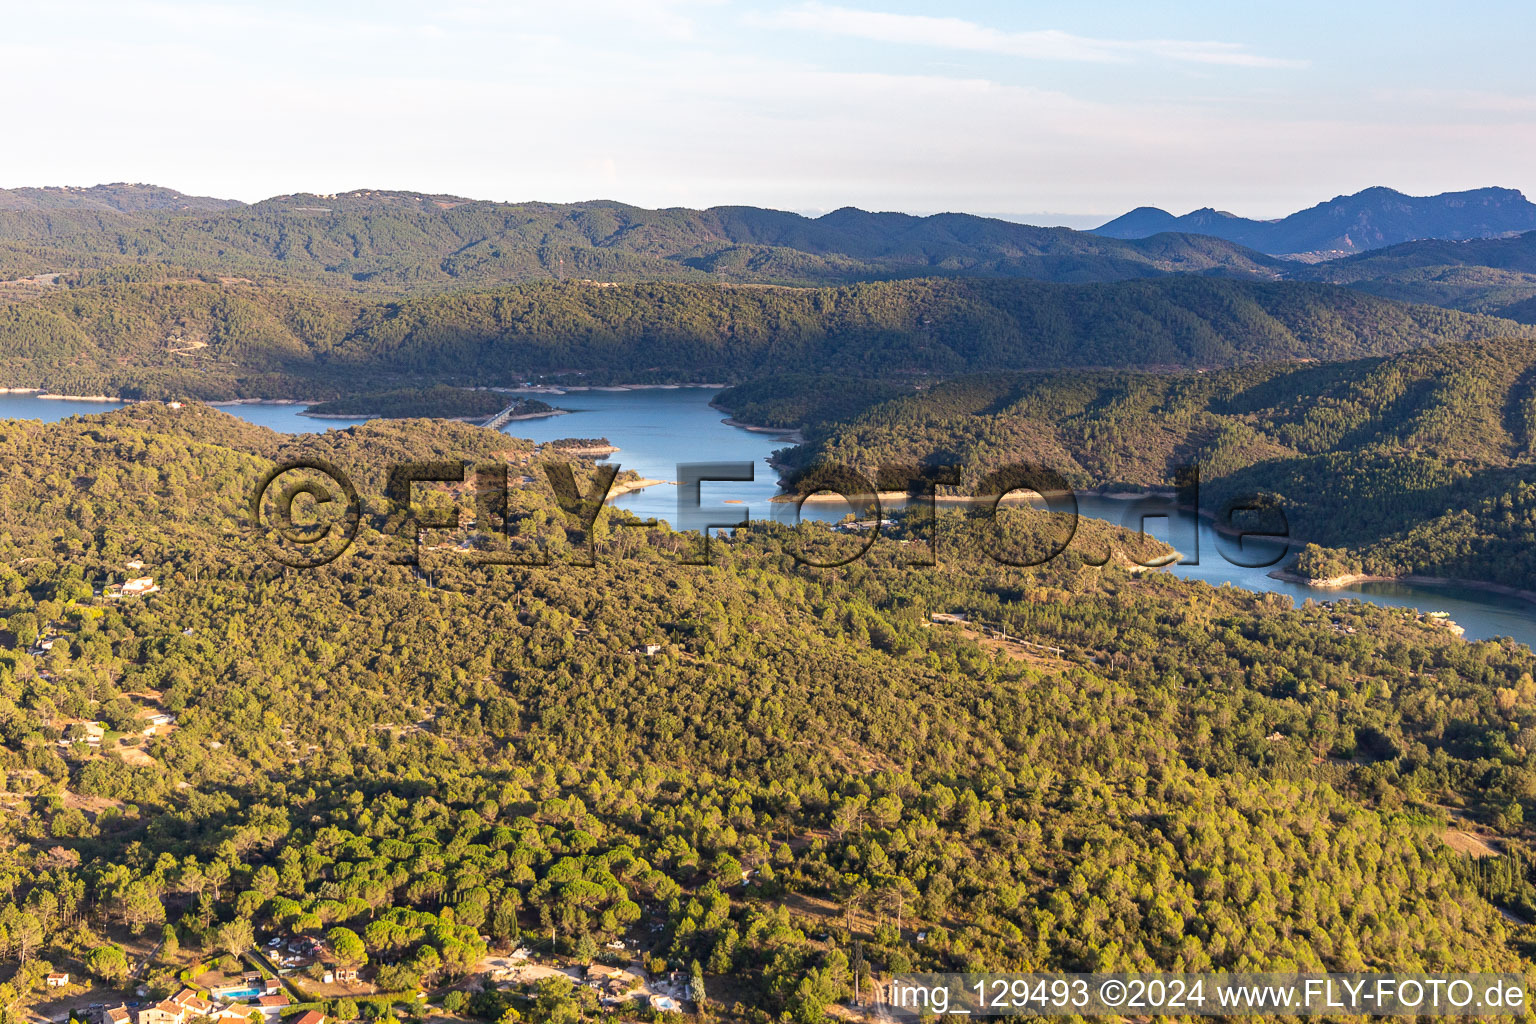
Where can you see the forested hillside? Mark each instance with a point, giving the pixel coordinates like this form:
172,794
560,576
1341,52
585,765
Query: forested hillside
146,334
429,764
1418,463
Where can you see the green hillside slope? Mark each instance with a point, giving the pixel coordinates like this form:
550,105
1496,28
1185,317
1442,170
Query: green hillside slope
1490,275
101,334
809,768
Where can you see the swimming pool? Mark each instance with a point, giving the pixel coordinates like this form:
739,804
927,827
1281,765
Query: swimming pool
236,993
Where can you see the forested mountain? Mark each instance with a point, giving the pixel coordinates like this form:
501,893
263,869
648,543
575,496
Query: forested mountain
422,765
403,243
100,334
1485,275
122,197
1370,219
1421,463
408,241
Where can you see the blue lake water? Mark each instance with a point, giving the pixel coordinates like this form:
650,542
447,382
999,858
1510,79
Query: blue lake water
656,429
285,419
32,407
282,418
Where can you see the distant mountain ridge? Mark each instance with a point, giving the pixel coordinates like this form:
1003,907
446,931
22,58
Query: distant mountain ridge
1372,219
413,241
1480,275
1514,253
403,242
121,197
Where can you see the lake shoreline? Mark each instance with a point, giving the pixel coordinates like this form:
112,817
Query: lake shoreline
1408,579
827,498
1286,575
458,419
223,403
1109,492
340,416
261,401
562,389
675,424
527,415
620,489
792,436
588,450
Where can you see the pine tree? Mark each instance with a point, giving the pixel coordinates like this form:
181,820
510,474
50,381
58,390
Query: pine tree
696,988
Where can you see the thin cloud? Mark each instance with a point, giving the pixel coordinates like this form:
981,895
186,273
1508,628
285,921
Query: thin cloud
1043,44
1481,101
670,19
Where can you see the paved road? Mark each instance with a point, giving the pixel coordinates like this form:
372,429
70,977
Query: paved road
138,973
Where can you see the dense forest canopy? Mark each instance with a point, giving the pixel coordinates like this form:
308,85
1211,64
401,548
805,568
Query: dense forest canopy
508,717
164,334
427,763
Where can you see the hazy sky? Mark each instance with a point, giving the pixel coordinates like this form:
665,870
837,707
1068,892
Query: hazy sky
985,107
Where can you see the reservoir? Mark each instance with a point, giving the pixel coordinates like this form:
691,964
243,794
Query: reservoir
655,429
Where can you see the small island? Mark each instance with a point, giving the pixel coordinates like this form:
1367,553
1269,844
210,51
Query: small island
440,402
586,446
